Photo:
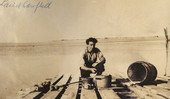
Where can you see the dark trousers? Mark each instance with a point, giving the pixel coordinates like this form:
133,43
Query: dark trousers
86,73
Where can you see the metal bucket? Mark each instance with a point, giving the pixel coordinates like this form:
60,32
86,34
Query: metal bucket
103,81
88,83
142,72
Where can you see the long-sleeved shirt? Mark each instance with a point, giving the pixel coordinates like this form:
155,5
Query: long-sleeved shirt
89,58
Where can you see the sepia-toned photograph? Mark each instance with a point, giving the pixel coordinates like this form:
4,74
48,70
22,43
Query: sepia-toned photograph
84,49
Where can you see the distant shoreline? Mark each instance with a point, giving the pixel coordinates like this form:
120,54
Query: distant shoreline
74,41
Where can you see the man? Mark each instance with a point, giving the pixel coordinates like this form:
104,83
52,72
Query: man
92,59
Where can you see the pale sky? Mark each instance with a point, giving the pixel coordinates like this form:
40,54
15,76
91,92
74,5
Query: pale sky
77,19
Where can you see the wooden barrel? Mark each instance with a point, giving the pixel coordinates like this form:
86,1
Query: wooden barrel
142,72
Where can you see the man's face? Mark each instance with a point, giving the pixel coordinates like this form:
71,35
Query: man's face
90,46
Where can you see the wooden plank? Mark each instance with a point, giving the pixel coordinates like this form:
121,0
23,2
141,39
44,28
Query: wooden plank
33,94
142,92
72,89
71,92
56,78
139,92
108,94
165,78
158,91
64,88
55,93
25,92
164,86
79,89
88,94
103,93
53,82
128,95
39,94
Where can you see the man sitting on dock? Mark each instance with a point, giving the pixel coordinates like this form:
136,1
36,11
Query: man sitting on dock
92,61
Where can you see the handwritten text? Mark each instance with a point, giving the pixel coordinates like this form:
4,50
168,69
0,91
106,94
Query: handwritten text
26,4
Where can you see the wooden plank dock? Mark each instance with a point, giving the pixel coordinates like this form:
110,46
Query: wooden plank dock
70,87
71,92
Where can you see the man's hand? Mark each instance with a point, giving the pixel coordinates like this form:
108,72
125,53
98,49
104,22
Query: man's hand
93,70
94,64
